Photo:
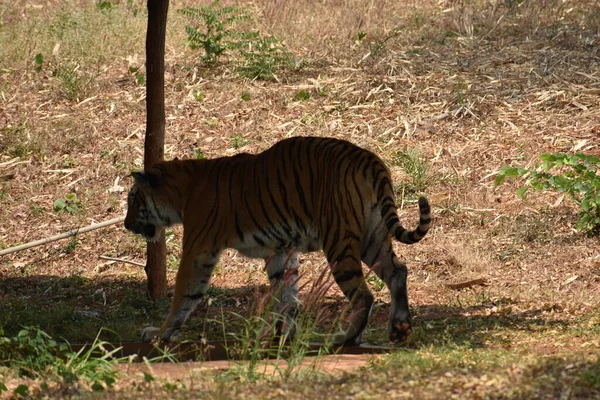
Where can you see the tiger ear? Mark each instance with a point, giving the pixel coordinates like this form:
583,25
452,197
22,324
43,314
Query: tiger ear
147,179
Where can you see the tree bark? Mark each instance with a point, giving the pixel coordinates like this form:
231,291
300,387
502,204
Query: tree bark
154,144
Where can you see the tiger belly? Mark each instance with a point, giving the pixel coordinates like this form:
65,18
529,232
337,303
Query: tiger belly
263,245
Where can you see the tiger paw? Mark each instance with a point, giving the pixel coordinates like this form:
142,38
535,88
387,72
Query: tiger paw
400,331
150,333
341,339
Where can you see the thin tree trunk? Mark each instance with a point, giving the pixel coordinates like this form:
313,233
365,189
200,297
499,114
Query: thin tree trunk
156,269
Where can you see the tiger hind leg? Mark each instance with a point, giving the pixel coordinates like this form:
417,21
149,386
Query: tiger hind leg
282,270
378,254
347,272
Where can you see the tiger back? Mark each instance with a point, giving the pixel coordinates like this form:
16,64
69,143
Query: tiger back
301,195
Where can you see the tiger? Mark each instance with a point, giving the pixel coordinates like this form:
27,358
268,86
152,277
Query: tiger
302,194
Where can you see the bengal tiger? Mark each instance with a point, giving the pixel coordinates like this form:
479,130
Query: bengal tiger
303,194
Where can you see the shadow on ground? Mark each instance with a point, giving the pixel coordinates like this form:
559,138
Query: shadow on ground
76,308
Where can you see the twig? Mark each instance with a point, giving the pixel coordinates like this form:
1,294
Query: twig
61,236
462,285
122,260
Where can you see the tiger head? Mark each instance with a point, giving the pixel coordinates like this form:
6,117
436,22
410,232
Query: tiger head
148,207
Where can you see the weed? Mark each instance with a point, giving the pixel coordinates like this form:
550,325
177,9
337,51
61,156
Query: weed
218,34
259,339
591,376
378,48
262,58
302,95
416,166
245,96
103,5
198,95
376,284
64,22
199,155
17,141
39,62
578,178
140,78
70,204
70,83
173,263
71,245
34,354
238,142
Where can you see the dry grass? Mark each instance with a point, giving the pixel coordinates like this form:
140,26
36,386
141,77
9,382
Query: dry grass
471,85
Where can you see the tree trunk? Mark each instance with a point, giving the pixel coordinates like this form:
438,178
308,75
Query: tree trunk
154,144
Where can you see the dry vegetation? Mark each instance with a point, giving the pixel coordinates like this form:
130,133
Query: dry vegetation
469,85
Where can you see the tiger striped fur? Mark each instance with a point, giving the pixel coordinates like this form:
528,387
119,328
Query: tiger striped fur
303,194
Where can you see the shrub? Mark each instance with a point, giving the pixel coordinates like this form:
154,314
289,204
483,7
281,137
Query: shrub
577,176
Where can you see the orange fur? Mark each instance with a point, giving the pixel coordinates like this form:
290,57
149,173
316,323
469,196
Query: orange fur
302,194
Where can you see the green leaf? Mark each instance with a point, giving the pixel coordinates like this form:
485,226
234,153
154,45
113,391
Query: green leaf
585,205
22,390
148,377
522,192
97,387
39,61
59,205
3,387
499,179
510,171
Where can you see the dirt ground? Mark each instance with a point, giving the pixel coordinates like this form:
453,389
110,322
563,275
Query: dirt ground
462,88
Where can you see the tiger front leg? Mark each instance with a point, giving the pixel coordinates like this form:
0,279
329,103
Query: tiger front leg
192,282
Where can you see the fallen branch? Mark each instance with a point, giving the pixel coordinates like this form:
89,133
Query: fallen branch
61,236
462,285
122,260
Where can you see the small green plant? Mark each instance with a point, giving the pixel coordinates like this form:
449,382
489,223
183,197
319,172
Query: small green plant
104,5
245,96
34,354
262,58
377,284
39,62
140,78
199,155
198,95
302,95
577,176
71,245
361,35
70,204
22,390
238,141
416,167
214,31
71,84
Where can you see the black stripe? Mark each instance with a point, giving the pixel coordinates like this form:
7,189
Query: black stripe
196,296
347,275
